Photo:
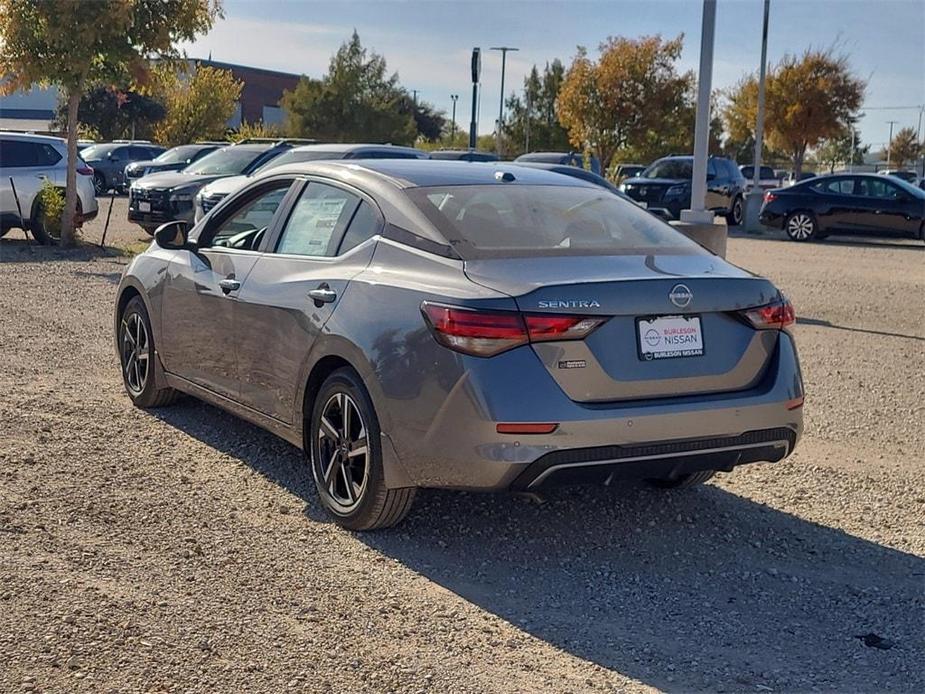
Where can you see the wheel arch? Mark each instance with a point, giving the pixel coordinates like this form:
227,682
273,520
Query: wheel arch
328,358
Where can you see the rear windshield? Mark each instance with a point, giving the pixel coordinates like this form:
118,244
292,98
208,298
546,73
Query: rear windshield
497,221
670,168
766,172
229,161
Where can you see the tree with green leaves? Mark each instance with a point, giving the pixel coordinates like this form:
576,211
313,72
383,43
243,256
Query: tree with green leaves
199,103
532,123
809,99
356,101
76,44
631,101
842,150
902,148
113,113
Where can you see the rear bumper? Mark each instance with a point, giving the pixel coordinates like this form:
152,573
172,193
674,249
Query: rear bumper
658,437
770,218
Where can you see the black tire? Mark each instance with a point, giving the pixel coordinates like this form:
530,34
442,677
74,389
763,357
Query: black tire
684,481
40,230
363,505
801,226
140,370
99,183
3,232
736,212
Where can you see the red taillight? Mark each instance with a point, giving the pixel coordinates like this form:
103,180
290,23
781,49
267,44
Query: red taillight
777,315
769,197
84,170
486,333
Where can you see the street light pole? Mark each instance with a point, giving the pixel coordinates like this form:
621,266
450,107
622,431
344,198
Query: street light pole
918,138
759,126
889,144
453,98
476,69
504,51
698,213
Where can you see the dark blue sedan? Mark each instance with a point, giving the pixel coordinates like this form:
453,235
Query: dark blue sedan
846,203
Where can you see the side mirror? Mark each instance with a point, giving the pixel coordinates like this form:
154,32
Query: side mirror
172,236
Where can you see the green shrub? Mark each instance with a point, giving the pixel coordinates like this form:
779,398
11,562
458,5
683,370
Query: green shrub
51,202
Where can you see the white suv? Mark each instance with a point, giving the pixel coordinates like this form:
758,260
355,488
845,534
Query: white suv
30,160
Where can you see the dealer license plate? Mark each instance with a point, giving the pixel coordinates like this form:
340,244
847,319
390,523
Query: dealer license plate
144,206
670,337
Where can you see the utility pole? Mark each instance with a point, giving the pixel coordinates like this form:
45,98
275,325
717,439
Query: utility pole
527,123
889,144
918,138
755,196
504,51
698,214
476,67
414,96
454,98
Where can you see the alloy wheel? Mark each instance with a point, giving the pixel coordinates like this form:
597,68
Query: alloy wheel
342,466
800,226
135,353
737,212
99,184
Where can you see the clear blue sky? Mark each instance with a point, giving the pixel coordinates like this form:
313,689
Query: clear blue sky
428,42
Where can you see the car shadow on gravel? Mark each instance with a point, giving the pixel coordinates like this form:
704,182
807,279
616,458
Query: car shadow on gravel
23,251
701,590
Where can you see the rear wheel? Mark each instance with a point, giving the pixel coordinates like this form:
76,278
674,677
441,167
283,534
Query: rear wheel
99,183
345,455
683,481
136,355
801,226
737,213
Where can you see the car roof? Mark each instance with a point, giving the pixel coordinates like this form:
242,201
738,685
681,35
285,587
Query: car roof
29,136
352,147
414,173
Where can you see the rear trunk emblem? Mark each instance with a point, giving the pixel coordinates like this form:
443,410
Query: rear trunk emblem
680,295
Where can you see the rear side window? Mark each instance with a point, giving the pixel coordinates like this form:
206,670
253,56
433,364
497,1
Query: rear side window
317,221
21,153
363,226
839,186
874,188
525,220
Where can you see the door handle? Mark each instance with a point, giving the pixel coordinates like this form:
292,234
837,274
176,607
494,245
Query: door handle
229,284
322,295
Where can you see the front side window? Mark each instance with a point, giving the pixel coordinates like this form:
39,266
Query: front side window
246,226
875,188
528,220
317,220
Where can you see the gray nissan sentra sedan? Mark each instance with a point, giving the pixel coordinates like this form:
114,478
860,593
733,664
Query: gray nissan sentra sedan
463,325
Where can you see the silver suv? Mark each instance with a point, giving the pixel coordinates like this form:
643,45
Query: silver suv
26,162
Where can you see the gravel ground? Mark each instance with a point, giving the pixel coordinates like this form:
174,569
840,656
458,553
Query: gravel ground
183,550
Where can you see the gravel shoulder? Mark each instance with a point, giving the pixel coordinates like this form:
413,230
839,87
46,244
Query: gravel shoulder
183,549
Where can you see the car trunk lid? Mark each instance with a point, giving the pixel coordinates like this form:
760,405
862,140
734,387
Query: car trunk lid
612,363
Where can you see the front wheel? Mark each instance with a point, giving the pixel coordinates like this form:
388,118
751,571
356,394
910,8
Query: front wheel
136,356
801,226
99,183
345,455
737,213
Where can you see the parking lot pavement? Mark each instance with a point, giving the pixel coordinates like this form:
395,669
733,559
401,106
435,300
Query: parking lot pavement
183,550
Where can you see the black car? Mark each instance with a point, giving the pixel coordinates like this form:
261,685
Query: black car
845,203
174,159
463,155
569,158
164,197
667,183
109,159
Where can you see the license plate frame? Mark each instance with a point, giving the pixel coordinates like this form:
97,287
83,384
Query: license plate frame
144,206
651,332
